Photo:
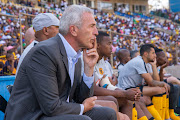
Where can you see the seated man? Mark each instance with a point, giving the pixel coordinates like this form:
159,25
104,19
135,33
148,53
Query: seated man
102,74
49,85
45,26
162,62
138,73
124,56
136,70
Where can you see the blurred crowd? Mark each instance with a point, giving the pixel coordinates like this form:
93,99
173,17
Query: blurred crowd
131,33
126,32
167,14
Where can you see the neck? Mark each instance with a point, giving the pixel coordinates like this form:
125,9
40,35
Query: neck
72,42
100,57
123,61
145,59
41,38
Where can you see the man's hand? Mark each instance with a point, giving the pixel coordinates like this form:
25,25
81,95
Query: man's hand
167,87
89,103
133,94
153,63
90,58
165,65
114,80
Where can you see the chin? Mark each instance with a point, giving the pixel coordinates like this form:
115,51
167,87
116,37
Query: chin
90,46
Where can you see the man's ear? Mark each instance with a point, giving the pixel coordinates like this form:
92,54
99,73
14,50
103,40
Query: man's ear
45,31
145,53
73,30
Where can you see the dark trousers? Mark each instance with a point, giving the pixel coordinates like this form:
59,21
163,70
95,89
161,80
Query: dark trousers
173,96
97,113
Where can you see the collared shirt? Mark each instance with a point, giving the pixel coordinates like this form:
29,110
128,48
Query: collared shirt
28,48
73,57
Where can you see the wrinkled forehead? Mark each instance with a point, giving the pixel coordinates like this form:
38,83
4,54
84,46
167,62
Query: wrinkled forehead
88,16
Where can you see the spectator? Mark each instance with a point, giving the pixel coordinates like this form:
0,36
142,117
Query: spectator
10,66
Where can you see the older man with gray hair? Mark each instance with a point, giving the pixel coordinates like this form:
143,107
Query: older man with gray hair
49,85
45,26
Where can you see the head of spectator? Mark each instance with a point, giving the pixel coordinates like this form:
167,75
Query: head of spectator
161,57
104,45
9,57
45,25
134,54
124,56
147,52
29,36
78,27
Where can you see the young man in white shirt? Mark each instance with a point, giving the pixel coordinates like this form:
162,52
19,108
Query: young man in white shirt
104,88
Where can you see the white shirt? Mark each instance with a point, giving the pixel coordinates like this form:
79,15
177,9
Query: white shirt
28,48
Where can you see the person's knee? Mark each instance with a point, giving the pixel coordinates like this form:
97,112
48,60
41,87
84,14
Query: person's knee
172,80
111,114
113,105
160,90
111,98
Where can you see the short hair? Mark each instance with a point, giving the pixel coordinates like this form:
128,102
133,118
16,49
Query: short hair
120,54
157,50
72,16
100,36
132,53
145,48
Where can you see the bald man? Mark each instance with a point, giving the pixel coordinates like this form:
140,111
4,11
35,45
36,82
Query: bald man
123,56
29,36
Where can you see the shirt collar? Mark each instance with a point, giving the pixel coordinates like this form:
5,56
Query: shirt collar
71,53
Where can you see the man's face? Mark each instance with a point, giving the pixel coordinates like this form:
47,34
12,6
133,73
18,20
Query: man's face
105,47
53,31
151,55
86,35
161,58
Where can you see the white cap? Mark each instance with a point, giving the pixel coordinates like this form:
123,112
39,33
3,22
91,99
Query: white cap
44,20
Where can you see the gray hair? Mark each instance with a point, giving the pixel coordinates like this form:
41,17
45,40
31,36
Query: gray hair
72,16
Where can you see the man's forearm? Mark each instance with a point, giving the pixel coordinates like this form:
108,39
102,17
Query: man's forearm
99,91
156,83
161,74
155,73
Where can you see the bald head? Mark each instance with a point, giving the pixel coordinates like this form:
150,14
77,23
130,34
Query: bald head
123,55
29,36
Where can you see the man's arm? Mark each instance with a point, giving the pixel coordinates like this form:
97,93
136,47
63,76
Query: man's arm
130,94
155,74
149,80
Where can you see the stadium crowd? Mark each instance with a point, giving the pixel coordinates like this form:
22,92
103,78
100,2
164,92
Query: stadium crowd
167,14
129,35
